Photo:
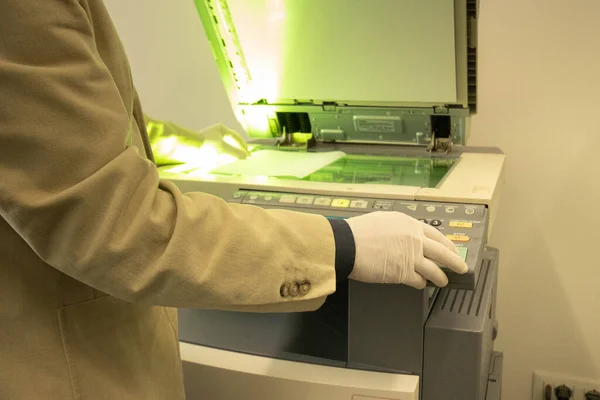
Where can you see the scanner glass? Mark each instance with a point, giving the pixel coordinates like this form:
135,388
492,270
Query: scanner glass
355,169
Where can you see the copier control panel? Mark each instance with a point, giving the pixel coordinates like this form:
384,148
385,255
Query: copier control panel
464,224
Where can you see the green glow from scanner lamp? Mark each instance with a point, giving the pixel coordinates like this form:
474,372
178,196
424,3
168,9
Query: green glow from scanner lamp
229,41
268,73
232,142
248,92
254,121
202,158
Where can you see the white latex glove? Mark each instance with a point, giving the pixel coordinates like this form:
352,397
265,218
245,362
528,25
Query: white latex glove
173,144
392,247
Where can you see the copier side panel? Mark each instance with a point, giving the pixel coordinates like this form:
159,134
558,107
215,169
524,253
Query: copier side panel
459,337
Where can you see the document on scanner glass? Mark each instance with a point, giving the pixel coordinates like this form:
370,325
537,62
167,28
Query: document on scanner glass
280,164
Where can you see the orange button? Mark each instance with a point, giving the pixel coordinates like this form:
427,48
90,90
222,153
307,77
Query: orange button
458,238
460,224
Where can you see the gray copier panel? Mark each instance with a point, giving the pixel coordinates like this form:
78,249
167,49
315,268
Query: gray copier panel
445,336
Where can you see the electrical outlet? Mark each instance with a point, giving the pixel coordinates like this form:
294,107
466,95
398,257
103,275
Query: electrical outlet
579,386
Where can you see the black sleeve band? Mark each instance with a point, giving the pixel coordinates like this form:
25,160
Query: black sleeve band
345,248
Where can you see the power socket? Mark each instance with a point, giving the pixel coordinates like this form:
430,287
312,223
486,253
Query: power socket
579,386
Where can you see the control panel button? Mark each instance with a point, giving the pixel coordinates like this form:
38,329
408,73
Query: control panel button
430,208
423,220
460,224
340,203
322,201
305,200
268,198
470,211
359,204
412,207
458,238
462,252
237,195
253,197
436,222
286,198
450,210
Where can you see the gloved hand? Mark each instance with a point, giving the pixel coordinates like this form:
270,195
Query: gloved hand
392,247
173,144
225,140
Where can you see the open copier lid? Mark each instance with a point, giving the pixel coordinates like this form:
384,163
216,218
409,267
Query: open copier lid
383,71
377,94
389,85
385,88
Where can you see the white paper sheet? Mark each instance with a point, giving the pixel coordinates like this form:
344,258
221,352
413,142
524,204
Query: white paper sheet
280,164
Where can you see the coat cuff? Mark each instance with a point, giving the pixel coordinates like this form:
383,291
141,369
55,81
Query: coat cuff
345,248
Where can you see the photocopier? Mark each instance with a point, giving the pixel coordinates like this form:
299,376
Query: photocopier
354,106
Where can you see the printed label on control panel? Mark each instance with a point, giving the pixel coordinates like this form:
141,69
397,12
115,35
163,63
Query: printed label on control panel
376,124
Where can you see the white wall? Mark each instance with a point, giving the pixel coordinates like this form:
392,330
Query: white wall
173,67
539,101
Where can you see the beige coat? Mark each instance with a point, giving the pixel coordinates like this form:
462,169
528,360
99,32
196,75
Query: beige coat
95,249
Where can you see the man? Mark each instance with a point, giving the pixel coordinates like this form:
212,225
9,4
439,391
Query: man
95,249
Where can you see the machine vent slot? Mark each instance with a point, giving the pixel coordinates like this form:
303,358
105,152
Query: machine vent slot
480,288
294,122
445,301
462,301
472,79
466,302
472,8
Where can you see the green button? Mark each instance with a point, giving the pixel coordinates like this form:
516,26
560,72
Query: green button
462,252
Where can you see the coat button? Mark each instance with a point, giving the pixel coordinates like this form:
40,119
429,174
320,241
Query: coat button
304,287
294,289
284,291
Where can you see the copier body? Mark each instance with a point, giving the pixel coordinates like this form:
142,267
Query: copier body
391,86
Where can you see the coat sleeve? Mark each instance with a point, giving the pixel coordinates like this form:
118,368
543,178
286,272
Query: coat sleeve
92,207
